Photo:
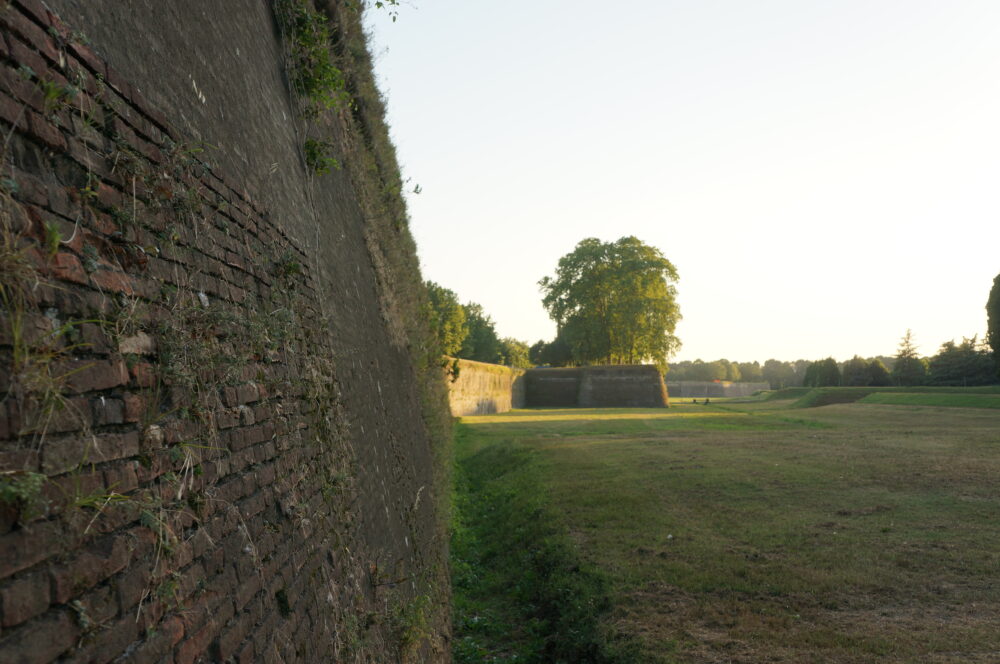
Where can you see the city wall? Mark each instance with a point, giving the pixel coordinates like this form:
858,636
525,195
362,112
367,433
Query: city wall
211,442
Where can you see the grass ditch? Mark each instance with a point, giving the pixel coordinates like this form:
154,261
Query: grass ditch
521,592
944,399
774,541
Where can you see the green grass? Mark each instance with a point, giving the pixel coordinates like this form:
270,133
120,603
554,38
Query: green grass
824,396
520,593
851,533
946,399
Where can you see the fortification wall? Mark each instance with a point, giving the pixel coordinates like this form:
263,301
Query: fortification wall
596,387
708,389
208,441
482,389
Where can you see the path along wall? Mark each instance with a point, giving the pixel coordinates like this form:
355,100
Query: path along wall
706,389
634,386
479,388
211,446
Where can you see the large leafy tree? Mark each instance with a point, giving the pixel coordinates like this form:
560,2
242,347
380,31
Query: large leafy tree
780,374
823,373
878,375
993,321
965,363
447,318
909,368
855,372
615,302
554,353
514,353
482,343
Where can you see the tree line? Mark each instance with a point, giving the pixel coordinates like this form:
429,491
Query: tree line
466,331
615,303
969,362
612,302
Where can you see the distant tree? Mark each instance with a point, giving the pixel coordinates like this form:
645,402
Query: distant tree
555,353
800,371
615,302
993,322
751,372
878,375
824,373
717,370
909,368
514,353
855,372
446,317
679,370
482,343
966,363
535,352
779,374
733,373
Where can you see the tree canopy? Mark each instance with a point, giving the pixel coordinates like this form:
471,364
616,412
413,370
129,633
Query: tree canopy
965,363
447,318
909,368
514,353
823,373
614,302
482,343
993,321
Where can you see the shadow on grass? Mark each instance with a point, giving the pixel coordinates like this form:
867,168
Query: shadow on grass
520,591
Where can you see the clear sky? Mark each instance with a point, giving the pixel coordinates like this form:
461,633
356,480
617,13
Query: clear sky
823,174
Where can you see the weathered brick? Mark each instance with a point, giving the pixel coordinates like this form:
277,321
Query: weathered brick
87,376
23,55
21,549
143,374
14,112
114,281
67,267
132,586
43,640
110,641
68,453
23,599
101,559
197,645
108,410
36,10
46,132
95,338
122,478
135,407
167,634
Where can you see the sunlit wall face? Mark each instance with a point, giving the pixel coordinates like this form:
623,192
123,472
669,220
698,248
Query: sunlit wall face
823,175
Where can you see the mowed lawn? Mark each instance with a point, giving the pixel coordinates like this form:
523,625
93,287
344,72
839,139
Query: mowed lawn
758,533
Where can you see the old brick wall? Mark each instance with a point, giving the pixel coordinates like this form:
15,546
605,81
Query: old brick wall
632,386
622,387
552,388
210,440
481,388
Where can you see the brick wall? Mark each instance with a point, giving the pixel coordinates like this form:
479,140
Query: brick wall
632,386
180,477
481,388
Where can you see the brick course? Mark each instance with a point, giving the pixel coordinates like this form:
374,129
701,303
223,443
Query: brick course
194,470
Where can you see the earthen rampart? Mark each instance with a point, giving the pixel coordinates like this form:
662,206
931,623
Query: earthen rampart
478,388
210,441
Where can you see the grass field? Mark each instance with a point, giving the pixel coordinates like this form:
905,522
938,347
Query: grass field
744,532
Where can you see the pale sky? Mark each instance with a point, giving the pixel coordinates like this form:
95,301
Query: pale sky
823,174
